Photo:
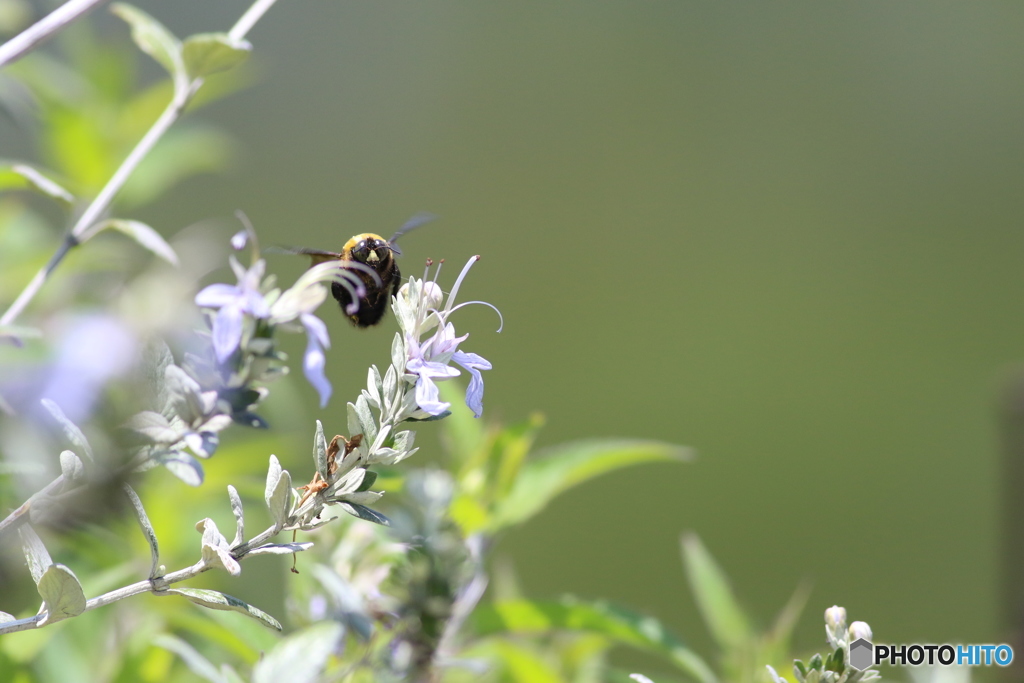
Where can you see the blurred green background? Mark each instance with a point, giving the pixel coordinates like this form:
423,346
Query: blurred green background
787,235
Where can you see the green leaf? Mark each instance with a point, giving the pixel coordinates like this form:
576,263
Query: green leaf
154,39
147,237
197,663
208,53
560,468
147,529
301,657
62,593
15,176
223,601
71,430
367,482
620,625
523,664
723,615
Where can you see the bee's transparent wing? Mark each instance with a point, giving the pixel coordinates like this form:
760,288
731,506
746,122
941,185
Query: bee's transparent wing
411,224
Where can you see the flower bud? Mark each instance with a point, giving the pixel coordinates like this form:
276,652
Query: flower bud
835,618
858,630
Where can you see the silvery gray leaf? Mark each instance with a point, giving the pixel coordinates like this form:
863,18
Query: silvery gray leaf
156,357
154,426
71,468
197,663
36,555
320,452
216,552
223,601
182,465
375,384
184,393
348,483
354,427
363,497
280,498
236,510
301,657
366,420
5,617
363,512
71,430
404,440
280,548
273,476
398,353
147,530
390,385
62,594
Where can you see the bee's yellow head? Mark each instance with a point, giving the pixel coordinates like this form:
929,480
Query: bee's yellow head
368,248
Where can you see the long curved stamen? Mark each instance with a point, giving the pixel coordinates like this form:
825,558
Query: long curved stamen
501,319
458,283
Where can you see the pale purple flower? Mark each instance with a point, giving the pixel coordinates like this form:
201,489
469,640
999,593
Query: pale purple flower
427,370
475,390
314,361
234,301
429,360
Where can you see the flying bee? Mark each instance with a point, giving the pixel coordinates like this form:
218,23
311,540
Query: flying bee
376,269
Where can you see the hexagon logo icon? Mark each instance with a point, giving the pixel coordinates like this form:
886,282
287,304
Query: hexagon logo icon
861,654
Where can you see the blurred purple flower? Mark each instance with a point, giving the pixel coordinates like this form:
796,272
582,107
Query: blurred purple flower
93,350
314,361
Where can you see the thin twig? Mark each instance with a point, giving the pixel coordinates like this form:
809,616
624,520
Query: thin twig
79,233
23,43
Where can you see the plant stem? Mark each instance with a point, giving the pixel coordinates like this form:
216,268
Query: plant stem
249,19
80,232
23,43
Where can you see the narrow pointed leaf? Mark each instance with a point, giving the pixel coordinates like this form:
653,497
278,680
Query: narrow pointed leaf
147,237
301,657
154,426
208,53
36,556
61,592
236,510
183,466
147,530
154,39
550,473
320,452
621,626
363,512
25,176
223,601
280,548
718,605
196,662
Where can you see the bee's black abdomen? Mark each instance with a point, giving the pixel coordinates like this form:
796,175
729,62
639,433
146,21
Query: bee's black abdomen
371,308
